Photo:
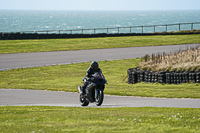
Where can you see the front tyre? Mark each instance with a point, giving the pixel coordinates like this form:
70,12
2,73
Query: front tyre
99,97
83,100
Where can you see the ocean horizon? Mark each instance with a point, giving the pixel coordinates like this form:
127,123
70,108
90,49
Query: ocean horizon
43,20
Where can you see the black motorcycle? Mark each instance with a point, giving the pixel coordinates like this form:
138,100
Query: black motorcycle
94,90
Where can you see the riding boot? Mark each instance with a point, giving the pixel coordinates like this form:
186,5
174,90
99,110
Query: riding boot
83,88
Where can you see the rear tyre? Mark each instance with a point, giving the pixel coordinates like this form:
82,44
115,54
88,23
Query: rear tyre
99,95
83,100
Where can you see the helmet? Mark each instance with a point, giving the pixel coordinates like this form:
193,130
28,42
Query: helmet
94,65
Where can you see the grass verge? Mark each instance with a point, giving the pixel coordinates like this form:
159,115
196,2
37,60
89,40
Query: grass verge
69,119
44,45
68,77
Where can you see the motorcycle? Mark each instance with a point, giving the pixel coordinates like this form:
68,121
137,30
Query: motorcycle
94,90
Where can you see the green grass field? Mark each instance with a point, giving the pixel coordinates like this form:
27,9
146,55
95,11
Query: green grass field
68,77
41,45
38,119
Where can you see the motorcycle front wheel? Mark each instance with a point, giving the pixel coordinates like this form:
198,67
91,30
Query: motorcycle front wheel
99,95
83,101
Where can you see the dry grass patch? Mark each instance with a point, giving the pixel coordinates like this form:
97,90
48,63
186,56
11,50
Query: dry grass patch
181,60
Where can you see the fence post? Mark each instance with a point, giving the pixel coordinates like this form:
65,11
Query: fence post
166,27
118,30
191,26
107,30
179,27
94,31
130,29
154,29
82,31
142,29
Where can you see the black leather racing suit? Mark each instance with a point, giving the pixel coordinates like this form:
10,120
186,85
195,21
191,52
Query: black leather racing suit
88,76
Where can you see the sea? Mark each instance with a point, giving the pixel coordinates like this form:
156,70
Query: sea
36,20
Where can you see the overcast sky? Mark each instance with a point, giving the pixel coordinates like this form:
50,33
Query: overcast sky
100,4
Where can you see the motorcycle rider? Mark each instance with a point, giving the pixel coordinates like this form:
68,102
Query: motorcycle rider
90,71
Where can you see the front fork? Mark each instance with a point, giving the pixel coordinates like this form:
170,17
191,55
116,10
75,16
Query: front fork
80,90
96,92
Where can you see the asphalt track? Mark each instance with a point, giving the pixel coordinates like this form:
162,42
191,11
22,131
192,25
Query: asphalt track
24,60
19,97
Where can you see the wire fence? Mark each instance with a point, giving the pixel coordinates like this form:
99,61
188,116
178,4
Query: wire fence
104,32
131,29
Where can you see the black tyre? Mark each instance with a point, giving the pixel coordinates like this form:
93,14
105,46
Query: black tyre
83,101
99,95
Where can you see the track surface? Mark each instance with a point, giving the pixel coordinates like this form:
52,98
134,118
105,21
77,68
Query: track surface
23,60
20,97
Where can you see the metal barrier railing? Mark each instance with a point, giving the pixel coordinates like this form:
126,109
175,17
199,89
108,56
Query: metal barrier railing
131,29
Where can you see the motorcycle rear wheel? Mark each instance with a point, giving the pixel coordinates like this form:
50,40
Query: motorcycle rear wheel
83,101
99,97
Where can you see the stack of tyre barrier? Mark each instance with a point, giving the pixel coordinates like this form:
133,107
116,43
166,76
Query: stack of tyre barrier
135,75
